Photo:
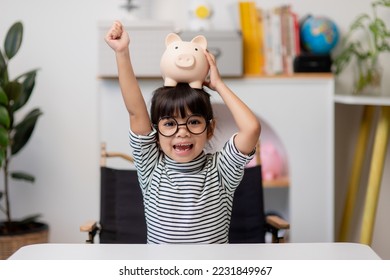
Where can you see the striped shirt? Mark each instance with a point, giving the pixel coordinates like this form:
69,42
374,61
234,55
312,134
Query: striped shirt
187,202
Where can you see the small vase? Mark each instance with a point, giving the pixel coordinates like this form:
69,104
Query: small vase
368,78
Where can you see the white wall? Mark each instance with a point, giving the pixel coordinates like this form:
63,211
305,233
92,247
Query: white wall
61,39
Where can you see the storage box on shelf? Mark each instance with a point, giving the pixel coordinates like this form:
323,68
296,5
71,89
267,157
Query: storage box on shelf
226,46
146,45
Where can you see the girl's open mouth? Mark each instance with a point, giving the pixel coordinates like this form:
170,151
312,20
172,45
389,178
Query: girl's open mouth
183,147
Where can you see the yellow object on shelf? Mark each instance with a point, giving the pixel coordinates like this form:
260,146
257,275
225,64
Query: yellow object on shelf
202,12
250,21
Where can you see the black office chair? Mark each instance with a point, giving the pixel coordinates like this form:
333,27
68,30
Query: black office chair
248,223
122,218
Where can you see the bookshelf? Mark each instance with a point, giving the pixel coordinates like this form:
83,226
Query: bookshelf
282,182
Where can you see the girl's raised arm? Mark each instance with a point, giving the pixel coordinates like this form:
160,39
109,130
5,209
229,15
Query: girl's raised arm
248,125
118,39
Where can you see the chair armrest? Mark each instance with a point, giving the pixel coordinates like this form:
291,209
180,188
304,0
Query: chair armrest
277,222
88,226
92,227
274,224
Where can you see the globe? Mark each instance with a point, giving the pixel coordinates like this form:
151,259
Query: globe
319,35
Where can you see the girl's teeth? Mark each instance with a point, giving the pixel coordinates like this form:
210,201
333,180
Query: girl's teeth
183,147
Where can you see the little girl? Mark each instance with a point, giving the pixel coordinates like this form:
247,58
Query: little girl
188,194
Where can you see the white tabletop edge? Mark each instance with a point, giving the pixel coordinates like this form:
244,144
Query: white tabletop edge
285,251
381,100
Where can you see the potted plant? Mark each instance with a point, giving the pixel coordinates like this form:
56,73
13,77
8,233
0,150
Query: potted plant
366,39
15,132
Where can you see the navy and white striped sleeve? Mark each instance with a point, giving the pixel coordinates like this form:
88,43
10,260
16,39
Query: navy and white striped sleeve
231,164
145,154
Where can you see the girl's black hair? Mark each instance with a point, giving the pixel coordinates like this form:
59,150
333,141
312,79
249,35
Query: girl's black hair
170,101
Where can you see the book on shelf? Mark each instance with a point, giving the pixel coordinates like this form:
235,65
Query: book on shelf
270,38
275,29
297,36
287,35
252,38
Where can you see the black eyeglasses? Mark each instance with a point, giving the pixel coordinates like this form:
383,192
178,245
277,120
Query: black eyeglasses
168,126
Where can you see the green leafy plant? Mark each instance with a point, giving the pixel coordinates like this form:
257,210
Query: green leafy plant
14,134
367,37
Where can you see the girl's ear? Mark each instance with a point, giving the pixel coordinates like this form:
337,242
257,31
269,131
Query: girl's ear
210,129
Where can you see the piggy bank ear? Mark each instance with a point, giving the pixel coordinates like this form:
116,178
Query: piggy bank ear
200,40
171,37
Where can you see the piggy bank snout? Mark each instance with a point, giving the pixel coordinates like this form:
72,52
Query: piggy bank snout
185,60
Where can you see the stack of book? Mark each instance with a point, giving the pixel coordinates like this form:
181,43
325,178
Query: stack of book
270,37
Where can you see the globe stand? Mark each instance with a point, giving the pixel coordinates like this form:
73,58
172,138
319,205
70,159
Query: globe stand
312,63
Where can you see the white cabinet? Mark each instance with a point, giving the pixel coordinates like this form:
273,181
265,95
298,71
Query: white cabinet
299,109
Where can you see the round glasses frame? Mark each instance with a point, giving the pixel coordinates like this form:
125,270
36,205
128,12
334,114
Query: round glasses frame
195,124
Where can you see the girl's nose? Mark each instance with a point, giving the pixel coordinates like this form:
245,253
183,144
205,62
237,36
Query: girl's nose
182,130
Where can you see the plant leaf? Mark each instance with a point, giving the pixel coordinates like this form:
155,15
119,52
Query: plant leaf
385,3
2,156
3,138
13,90
28,83
358,23
19,175
13,39
3,68
4,117
24,129
3,97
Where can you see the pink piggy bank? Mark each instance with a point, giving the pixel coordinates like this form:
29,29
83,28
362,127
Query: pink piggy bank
271,160
184,62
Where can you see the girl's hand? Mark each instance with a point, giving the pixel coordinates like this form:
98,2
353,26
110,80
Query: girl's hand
215,79
117,38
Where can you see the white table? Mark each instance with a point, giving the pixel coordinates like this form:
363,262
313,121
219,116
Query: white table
286,251
377,162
